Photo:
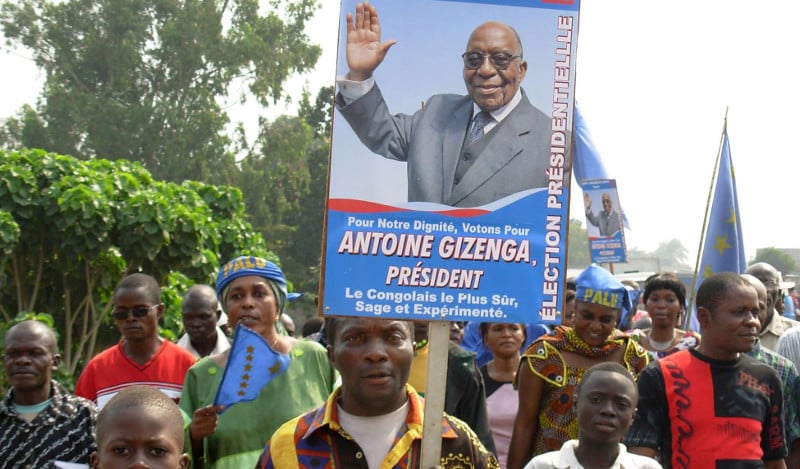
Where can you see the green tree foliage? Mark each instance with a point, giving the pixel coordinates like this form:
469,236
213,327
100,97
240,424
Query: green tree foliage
776,258
149,80
152,80
318,115
82,225
284,181
9,236
275,176
302,257
578,254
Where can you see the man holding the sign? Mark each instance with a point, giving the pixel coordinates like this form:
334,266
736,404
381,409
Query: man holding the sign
461,150
375,418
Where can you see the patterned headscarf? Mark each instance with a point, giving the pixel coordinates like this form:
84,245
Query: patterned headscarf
248,265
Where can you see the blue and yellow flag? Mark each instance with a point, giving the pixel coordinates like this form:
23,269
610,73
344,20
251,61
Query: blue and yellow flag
252,364
723,249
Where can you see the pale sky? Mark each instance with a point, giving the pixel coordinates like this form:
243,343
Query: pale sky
653,80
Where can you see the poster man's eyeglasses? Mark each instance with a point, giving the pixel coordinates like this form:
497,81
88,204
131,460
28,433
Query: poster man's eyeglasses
500,60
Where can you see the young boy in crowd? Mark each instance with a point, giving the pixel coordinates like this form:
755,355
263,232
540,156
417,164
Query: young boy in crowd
605,404
142,427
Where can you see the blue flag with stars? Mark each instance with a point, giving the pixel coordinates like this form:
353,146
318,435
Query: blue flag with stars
252,364
723,249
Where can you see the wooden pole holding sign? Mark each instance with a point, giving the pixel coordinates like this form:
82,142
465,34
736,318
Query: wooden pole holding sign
435,386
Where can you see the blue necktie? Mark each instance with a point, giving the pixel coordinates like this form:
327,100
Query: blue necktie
478,123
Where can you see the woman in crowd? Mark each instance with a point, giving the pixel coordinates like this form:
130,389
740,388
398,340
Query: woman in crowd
253,292
568,316
504,340
665,300
553,365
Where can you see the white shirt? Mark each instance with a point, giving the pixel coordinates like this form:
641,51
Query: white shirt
374,435
565,459
222,344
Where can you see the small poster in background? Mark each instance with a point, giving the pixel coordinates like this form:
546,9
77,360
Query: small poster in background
604,224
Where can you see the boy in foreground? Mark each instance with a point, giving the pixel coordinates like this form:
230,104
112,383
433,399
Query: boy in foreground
140,427
606,400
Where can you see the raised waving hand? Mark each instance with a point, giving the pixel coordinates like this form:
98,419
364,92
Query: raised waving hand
364,48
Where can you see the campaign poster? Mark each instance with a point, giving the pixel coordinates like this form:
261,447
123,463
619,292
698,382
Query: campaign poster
604,221
450,160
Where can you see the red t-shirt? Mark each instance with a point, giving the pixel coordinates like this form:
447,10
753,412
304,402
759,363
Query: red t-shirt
112,371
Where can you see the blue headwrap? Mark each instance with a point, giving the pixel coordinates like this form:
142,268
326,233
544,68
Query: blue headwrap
596,285
249,265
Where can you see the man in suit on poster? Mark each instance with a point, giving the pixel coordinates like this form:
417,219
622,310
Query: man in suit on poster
461,150
607,220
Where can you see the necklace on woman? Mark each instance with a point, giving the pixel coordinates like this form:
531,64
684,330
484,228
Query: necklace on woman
660,346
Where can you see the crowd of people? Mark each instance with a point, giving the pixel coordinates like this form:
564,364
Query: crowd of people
615,385
579,394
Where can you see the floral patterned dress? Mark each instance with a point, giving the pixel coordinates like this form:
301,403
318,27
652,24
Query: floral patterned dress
557,420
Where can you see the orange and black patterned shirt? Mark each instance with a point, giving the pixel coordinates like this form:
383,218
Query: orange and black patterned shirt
315,440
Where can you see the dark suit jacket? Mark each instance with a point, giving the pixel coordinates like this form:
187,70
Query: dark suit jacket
430,142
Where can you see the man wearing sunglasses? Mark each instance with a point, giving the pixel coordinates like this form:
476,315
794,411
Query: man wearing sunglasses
142,356
462,151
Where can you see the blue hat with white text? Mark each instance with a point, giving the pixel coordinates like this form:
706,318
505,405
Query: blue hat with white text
598,286
250,265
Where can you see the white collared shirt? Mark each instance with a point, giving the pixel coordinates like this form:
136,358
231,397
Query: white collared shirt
565,459
222,344
500,113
